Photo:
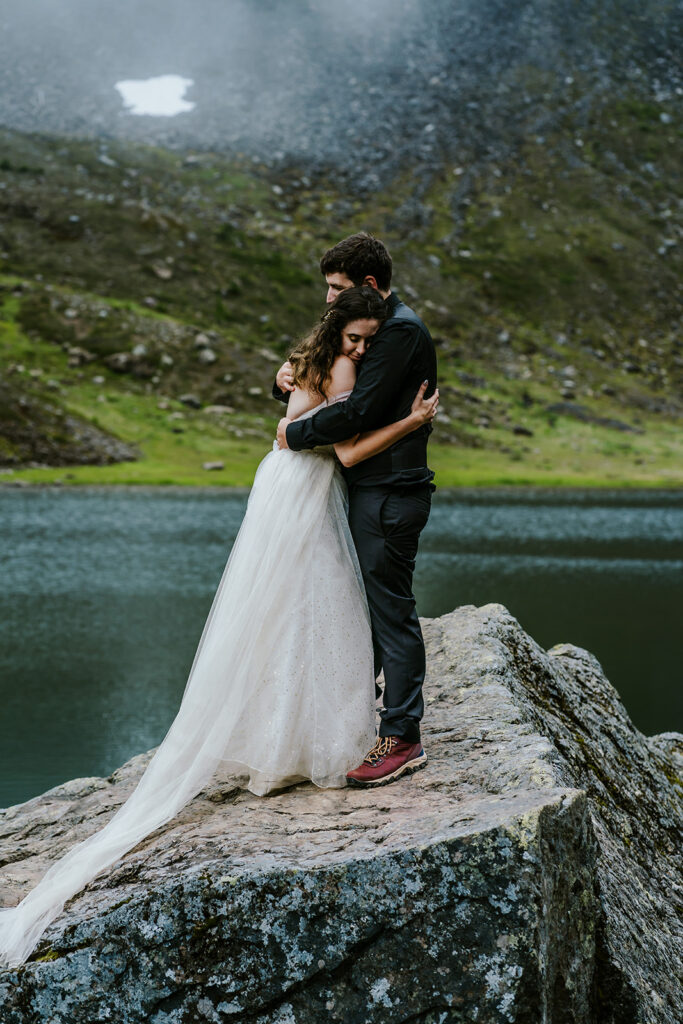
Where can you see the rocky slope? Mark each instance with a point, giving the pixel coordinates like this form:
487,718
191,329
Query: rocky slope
554,302
37,430
530,873
362,93
522,161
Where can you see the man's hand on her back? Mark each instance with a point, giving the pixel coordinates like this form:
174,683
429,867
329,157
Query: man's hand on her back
284,377
282,433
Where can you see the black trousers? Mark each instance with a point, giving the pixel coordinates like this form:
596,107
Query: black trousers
386,524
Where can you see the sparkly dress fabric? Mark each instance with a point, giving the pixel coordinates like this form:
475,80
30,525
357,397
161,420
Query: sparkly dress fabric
281,689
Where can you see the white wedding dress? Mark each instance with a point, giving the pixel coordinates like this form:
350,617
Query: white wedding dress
281,689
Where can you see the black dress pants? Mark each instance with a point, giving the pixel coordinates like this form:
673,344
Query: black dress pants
386,524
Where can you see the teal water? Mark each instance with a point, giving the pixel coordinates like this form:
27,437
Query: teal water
104,594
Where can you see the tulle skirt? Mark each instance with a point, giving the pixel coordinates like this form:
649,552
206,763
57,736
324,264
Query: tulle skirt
281,689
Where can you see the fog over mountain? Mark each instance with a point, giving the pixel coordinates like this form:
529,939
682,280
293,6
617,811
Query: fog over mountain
355,87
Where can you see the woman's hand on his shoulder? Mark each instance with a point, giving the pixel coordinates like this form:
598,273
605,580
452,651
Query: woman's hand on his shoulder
285,378
423,410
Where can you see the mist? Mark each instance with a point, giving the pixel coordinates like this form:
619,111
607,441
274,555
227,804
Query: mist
353,87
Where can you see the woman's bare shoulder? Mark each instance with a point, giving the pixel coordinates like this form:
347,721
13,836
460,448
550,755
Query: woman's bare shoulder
300,401
342,375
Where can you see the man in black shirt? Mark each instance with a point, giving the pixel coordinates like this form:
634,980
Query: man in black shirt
389,495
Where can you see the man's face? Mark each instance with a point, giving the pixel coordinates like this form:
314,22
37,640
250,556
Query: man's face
336,283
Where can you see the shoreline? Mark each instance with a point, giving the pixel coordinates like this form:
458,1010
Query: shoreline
448,490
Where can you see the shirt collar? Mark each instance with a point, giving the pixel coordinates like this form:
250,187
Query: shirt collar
392,300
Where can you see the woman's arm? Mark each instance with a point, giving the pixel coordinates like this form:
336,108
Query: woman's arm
362,446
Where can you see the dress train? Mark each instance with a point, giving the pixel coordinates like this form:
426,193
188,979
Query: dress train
281,688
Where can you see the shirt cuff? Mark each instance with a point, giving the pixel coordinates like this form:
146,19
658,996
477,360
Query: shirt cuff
294,434
282,396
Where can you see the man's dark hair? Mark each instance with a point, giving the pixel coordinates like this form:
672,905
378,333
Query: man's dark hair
359,256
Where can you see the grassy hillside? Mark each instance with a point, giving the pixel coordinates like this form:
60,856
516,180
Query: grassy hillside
134,276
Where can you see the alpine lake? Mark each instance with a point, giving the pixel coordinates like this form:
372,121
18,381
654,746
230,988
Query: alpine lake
105,592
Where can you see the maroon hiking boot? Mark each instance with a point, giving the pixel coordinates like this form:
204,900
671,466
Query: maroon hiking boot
391,757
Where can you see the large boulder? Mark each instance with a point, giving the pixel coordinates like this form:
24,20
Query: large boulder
530,873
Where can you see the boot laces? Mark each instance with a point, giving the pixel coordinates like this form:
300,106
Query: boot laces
382,747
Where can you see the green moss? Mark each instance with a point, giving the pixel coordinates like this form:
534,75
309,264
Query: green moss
51,954
121,903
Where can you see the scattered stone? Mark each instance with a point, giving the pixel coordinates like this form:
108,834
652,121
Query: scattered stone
163,271
212,465
255,391
191,400
269,355
120,362
79,356
207,356
471,380
201,341
580,412
218,410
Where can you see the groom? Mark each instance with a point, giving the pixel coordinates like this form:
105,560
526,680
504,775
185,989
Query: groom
389,495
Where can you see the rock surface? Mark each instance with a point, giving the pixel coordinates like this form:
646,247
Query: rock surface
530,873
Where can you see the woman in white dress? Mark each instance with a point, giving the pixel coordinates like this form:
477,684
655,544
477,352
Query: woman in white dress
281,689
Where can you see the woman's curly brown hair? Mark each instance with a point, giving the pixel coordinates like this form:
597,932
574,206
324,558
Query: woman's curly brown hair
313,357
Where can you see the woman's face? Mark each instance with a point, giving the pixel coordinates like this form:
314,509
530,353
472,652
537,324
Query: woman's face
355,337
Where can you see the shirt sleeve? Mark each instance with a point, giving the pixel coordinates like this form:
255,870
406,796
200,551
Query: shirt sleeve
373,398
282,396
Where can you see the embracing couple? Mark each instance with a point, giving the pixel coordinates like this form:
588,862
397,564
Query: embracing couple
389,483
315,599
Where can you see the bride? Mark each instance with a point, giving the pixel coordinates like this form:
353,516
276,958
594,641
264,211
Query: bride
281,689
